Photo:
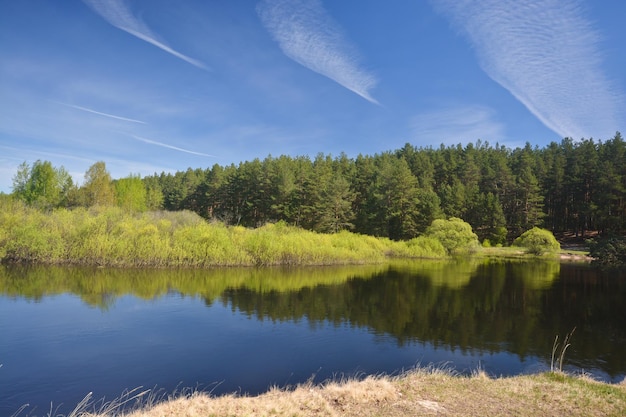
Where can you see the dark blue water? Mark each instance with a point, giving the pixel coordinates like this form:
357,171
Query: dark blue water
65,333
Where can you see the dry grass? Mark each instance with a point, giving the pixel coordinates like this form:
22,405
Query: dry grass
422,392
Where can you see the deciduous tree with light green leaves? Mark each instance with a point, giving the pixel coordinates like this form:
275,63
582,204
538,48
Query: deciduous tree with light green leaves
42,185
538,241
454,234
130,193
98,187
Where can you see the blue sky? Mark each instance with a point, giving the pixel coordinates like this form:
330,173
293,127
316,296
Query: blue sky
156,85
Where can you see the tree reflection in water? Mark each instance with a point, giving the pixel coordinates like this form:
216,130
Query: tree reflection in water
471,305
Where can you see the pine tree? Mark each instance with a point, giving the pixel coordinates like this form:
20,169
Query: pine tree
397,195
335,207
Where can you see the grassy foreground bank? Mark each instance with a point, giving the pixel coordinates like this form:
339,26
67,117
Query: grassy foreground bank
421,392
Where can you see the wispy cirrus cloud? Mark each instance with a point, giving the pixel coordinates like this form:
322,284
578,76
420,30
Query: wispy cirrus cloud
118,14
547,54
112,116
165,145
456,124
308,35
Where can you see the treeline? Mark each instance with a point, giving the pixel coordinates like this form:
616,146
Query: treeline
565,187
571,186
45,187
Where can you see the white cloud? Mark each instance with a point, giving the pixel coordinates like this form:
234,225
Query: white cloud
452,125
546,53
308,35
118,14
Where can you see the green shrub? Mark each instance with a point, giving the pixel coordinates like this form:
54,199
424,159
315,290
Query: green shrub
538,241
113,237
455,235
609,251
425,247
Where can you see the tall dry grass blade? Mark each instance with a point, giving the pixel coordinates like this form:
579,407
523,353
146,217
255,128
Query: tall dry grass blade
555,346
81,407
108,408
19,410
561,352
566,344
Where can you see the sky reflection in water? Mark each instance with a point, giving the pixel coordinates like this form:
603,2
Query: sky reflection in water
67,332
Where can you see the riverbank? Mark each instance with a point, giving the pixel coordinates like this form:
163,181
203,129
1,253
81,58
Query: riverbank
566,254
110,236
421,392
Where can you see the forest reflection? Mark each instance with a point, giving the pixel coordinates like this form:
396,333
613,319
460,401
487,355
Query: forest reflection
471,305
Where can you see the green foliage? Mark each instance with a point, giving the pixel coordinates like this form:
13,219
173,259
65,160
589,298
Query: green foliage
455,235
130,193
98,188
428,208
116,237
568,186
528,199
499,191
42,185
538,241
26,233
154,196
420,247
487,218
610,251
281,244
335,207
397,196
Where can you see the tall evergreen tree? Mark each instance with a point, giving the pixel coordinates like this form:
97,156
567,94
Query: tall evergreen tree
367,214
589,157
487,219
282,178
553,183
528,211
397,194
334,209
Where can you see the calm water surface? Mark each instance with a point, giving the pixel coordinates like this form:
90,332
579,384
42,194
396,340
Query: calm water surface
65,332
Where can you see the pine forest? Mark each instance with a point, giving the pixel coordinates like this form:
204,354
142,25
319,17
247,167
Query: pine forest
573,187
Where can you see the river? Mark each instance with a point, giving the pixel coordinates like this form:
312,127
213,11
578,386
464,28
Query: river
66,332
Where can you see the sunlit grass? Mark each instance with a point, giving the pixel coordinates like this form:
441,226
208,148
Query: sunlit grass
110,236
422,391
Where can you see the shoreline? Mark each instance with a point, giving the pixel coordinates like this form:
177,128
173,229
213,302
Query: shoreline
422,391
576,256
112,237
